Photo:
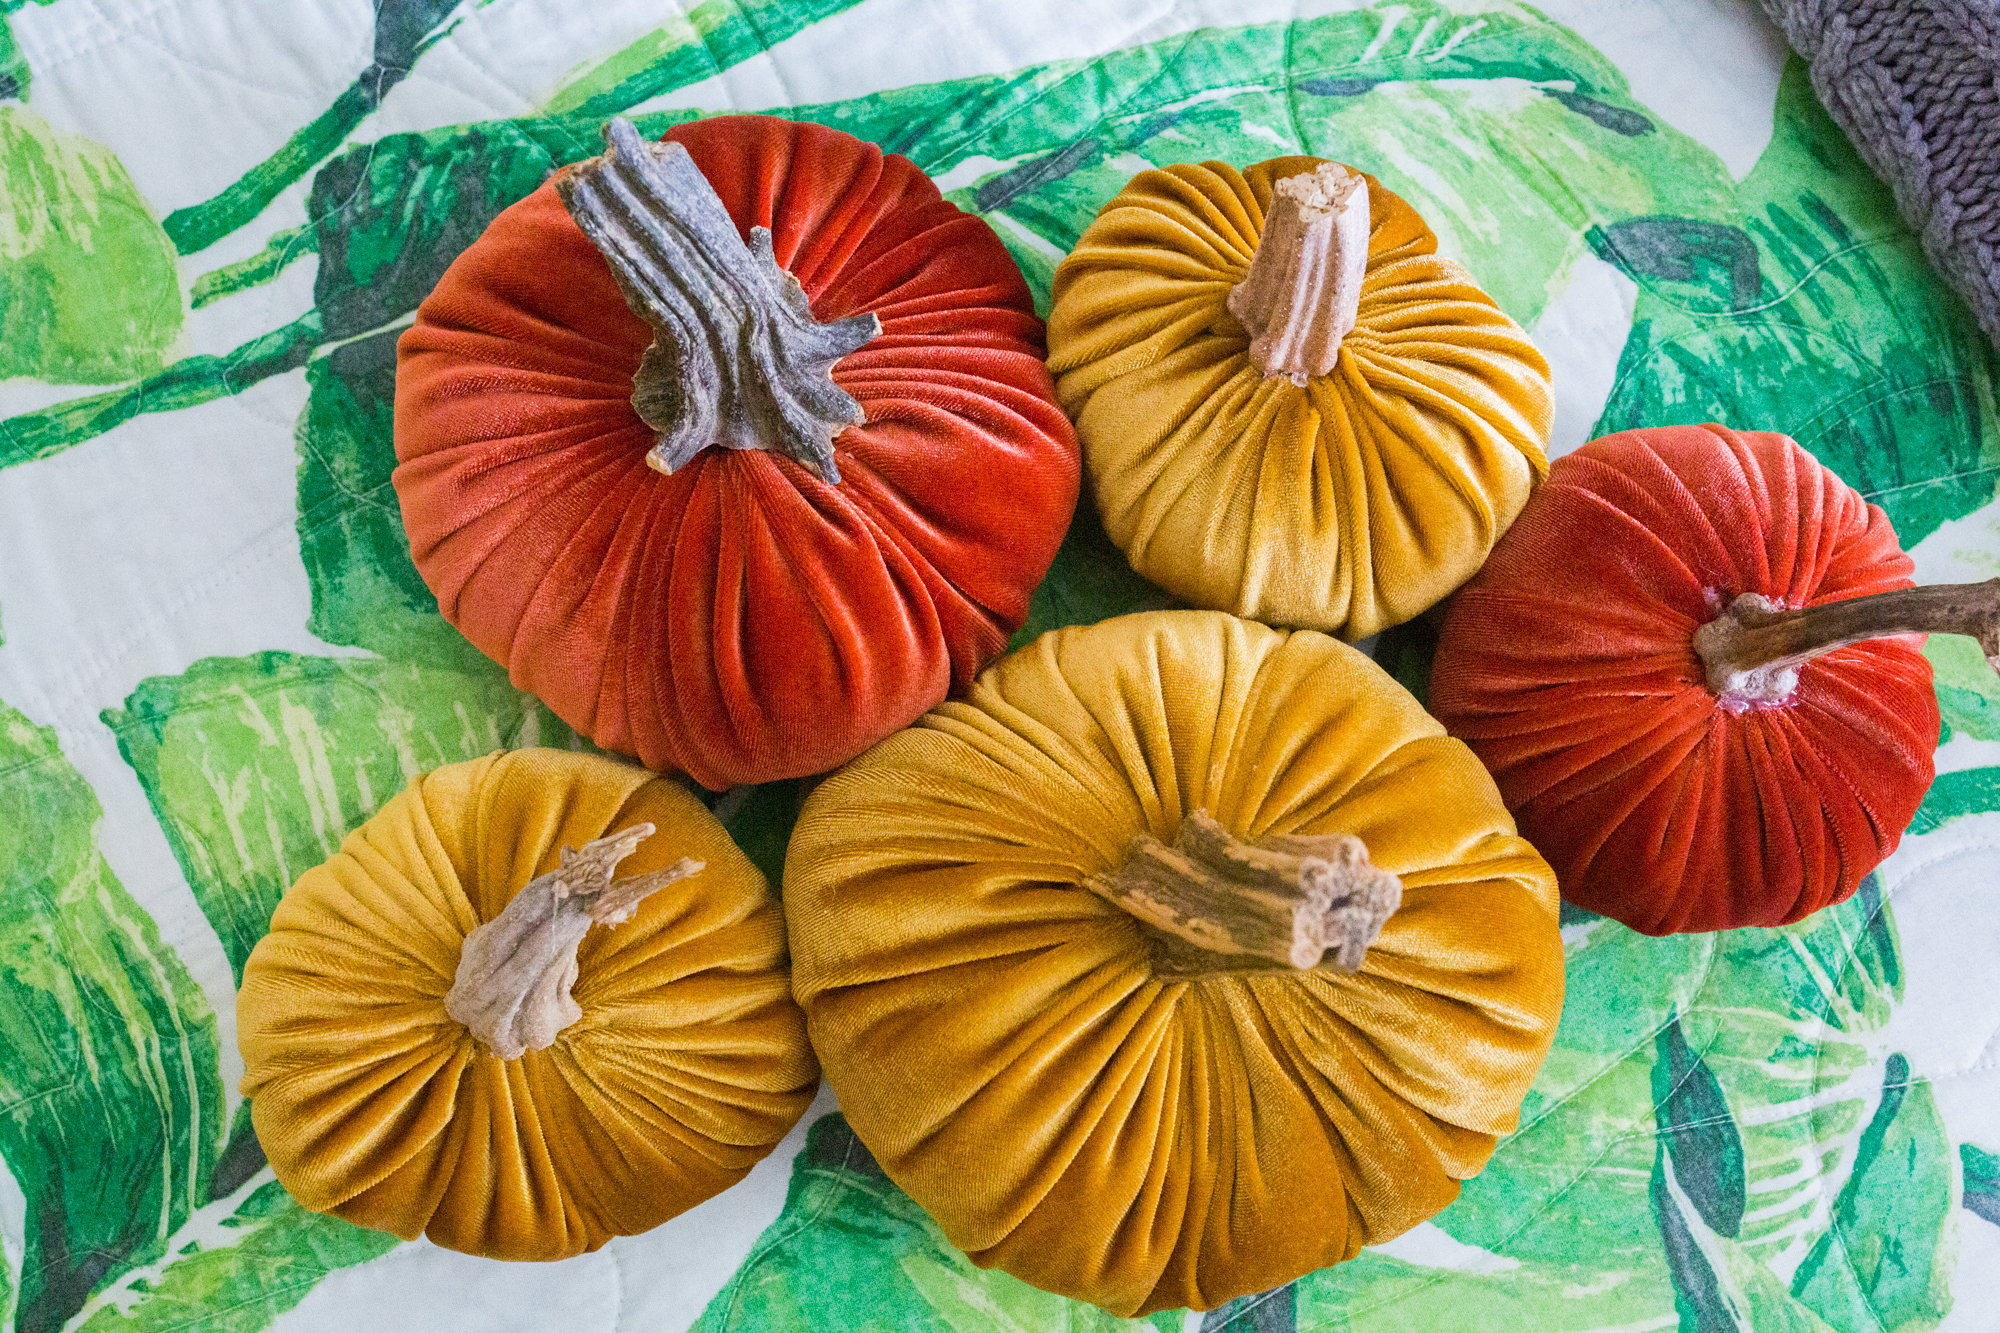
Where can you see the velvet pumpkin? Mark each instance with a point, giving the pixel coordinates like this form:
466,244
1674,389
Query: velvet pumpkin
678,1061
1574,665
1097,1105
1267,434
744,615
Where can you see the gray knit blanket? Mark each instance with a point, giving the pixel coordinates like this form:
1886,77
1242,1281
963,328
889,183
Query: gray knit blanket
1916,85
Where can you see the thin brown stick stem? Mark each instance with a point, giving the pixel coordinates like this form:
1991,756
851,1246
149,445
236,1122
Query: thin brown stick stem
1215,903
1753,650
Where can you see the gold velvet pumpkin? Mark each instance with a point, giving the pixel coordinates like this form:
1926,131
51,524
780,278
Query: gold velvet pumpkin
1071,1099
685,1065
1346,493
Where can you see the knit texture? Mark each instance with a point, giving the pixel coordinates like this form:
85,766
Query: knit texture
1916,85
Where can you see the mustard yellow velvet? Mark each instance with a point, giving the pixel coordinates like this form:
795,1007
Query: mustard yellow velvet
1348,505
689,1063
994,1031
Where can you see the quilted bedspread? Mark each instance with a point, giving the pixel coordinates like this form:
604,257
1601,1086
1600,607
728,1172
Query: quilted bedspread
216,217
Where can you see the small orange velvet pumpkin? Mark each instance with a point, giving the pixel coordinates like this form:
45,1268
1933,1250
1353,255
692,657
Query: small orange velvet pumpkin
1666,791
801,571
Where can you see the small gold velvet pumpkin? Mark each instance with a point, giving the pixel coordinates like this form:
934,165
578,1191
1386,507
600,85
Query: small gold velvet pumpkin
1122,1096
1291,406
623,1069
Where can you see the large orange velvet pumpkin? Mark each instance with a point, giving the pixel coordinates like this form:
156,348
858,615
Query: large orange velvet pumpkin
1570,665
741,618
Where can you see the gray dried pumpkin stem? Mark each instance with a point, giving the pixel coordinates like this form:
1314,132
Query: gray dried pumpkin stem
1215,903
737,358
515,972
1753,650
1303,291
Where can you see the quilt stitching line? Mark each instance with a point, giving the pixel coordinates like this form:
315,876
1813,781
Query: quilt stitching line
1819,1060
839,1185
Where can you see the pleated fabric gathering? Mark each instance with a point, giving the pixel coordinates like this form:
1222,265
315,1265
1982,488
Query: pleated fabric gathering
1568,665
994,1029
1347,505
689,1064
739,620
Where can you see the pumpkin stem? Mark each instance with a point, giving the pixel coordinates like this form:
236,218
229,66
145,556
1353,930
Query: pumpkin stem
515,972
737,358
1303,290
1216,904
1753,650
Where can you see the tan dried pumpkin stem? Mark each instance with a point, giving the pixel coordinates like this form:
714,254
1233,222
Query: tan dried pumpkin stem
1753,650
1303,291
515,972
1218,904
737,358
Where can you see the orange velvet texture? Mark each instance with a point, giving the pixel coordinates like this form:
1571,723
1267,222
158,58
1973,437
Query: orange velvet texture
688,1064
1568,664
739,620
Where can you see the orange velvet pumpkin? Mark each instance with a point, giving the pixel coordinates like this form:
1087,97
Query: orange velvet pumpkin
739,619
1570,666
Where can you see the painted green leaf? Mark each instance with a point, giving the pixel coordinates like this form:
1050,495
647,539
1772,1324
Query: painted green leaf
708,39
1266,1312
1808,307
1659,1039
1886,1262
1405,652
390,216
1969,791
1578,1165
257,767
110,1095
760,819
88,288
14,76
1698,1132
386,217
1037,152
1089,580
254,271
1378,1293
1791,1022
1968,692
850,1251
14,73
1982,1181
1584,1148
404,29
186,383
366,591
1718,1286
258,1260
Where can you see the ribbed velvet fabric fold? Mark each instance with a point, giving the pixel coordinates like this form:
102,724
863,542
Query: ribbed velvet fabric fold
996,1033
739,620
689,1064
1348,505
1568,664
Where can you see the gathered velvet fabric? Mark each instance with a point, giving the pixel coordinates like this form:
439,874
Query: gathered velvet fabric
996,1032
739,620
689,1064
1349,504
1569,665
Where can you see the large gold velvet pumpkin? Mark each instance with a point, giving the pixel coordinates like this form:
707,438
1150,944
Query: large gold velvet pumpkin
685,1066
1011,1046
1347,500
